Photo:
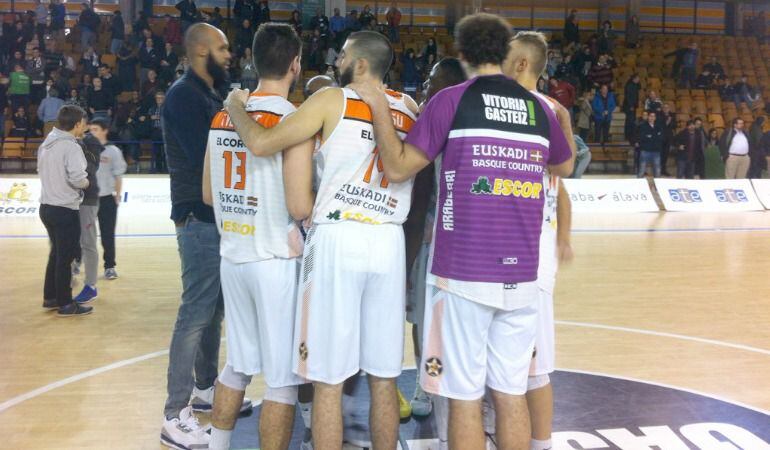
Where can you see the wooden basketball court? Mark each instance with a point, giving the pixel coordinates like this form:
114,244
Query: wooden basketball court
676,299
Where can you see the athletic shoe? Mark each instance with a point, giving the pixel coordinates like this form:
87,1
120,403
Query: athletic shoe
184,432
50,304
76,267
357,435
404,408
87,295
203,401
307,440
110,273
74,309
422,405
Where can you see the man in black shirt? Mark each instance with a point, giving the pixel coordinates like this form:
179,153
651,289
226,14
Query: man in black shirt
650,144
100,101
320,22
186,115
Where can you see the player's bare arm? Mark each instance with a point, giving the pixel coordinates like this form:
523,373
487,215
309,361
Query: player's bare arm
565,169
564,225
298,179
401,161
207,195
322,108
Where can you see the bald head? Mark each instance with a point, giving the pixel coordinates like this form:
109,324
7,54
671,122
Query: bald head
317,83
207,50
528,53
201,35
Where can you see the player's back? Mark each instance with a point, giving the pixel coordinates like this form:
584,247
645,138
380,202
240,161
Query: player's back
248,191
353,185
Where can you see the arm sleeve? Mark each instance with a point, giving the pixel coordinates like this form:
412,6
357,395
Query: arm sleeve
75,165
431,131
559,149
119,165
184,116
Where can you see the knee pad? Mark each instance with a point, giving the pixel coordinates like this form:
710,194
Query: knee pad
234,380
286,395
537,381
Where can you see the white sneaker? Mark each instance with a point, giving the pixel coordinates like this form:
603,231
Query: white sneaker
184,432
203,401
422,405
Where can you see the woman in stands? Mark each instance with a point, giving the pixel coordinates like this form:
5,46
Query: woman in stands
715,166
75,99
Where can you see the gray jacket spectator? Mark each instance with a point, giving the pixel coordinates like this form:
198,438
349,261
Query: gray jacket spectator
62,168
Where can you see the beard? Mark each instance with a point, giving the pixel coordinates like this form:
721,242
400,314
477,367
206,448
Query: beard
217,71
346,76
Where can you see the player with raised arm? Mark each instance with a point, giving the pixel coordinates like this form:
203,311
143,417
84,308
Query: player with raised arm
495,140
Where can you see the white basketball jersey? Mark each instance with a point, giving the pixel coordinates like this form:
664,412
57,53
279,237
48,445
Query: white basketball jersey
352,182
249,200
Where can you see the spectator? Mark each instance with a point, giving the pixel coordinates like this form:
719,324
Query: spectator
410,75
393,17
367,19
3,101
666,122
18,39
149,59
243,9
316,52
168,64
89,26
48,110
90,62
582,157
296,22
565,69
764,145
678,55
184,65
41,19
689,64
148,90
172,32
332,53
118,28
101,102
715,68
320,22
125,115
714,165
689,144
429,55
756,153
734,147
127,61
585,114
57,19
562,92
552,63
54,60
631,103
216,19
75,99
17,60
188,13
140,25
603,107
744,92
700,162
650,143
243,37
110,83
352,24
157,41
633,32
156,134
261,14
55,81
571,28
249,77
86,87
18,91
601,73
705,80
606,38
337,22
36,72
542,85
653,102
21,126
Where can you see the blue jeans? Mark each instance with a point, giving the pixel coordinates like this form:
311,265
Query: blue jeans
649,158
581,164
195,342
115,45
87,38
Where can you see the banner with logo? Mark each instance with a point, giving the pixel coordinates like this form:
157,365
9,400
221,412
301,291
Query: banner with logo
762,189
707,195
625,195
145,207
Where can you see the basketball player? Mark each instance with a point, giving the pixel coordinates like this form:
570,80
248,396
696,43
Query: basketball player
495,139
352,300
256,201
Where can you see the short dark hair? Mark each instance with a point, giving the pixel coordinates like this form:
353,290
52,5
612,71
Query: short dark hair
452,71
374,48
69,116
482,39
274,48
100,122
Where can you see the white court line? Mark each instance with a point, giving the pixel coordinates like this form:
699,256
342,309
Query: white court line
127,362
683,337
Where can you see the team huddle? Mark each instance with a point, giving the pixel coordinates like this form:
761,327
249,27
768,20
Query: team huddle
311,202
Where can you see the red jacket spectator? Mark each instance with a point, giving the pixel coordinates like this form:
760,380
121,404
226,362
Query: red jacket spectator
563,92
173,33
601,73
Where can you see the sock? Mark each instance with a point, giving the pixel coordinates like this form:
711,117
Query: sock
347,403
540,445
220,439
306,410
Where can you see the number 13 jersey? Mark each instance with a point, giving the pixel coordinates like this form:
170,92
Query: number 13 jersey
248,191
353,183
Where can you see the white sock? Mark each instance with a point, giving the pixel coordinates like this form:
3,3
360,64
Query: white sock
220,439
306,410
540,445
347,403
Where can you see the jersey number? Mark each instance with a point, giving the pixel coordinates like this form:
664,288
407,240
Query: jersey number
376,160
240,170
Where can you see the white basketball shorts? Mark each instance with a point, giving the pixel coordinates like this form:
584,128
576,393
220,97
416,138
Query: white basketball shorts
415,295
260,306
351,302
468,346
544,360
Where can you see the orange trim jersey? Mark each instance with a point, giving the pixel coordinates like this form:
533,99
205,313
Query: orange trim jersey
353,185
248,192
